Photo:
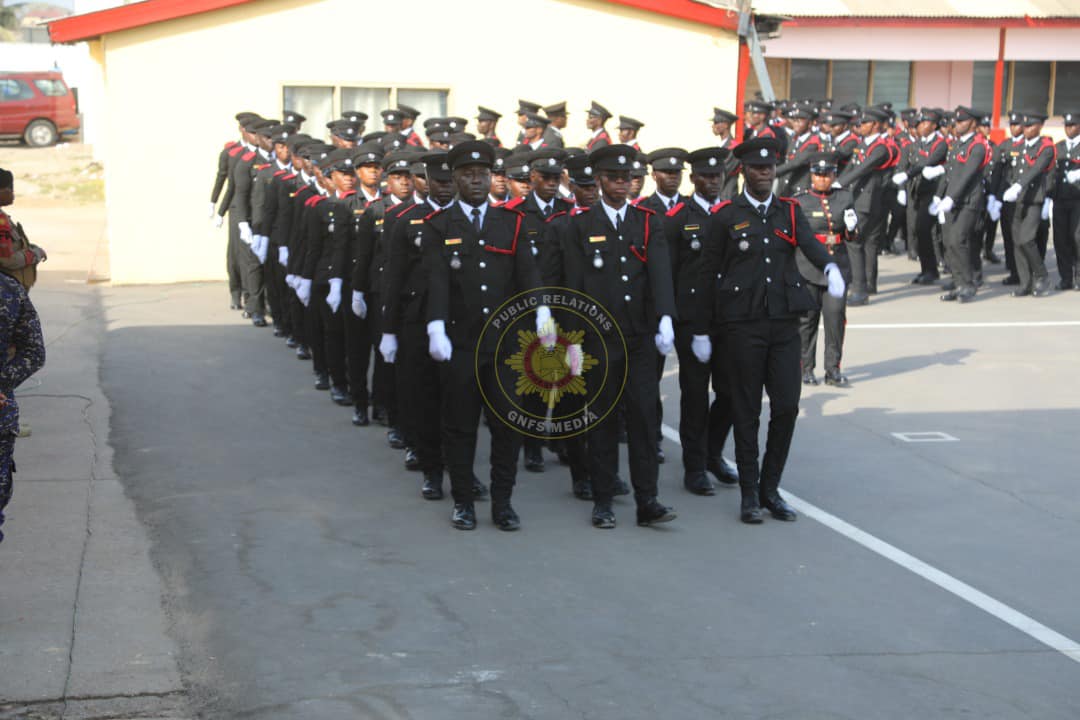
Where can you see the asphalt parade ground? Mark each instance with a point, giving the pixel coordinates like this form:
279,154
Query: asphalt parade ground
933,571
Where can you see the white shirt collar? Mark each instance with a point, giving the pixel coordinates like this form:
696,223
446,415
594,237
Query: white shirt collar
802,138
842,135
431,201
1070,143
612,213
492,200
537,143
467,209
668,201
287,166
757,203
308,179
368,196
968,136
543,205
264,154
869,139
597,131
1032,141
705,204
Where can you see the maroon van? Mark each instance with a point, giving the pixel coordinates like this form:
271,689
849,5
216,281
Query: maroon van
36,107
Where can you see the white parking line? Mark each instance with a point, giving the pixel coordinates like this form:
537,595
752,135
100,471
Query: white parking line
922,326
1027,625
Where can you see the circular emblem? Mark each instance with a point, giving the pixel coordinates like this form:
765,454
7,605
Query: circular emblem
695,244
744,245
445,166
672,161
556,381
417,241
622,159
597,261
475,155
455,262
712,161
588,171
764,152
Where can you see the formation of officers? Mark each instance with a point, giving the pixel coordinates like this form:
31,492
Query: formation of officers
379,256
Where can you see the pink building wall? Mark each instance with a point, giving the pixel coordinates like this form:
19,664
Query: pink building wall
942,84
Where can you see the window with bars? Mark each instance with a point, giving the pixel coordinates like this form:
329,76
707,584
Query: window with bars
1050,87
322,103
866,82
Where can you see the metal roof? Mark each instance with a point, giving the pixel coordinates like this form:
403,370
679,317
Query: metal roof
959,9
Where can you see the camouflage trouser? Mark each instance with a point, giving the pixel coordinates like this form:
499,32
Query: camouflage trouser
7,469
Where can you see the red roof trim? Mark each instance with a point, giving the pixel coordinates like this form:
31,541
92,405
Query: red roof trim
125,17
931,22
686,10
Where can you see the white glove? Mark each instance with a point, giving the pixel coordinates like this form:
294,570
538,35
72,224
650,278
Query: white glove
303,291
574,359
994,209
665,337
991,201
260,246
1012,193
359,307
941,218
438,344
213,211
1072,176
545,327
900,178
388,348
333,298
245,232
933,171
935,205
901,198
851,219
701,347
290,280
219,221
1047,209
946,205
837,185
283,255
837,286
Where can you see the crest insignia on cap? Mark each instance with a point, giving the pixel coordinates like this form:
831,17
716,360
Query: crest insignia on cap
622,159
712,161
588,171
475,155
764,152
551,161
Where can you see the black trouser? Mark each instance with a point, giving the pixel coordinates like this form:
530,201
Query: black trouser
895,216
383,385
1067,240
276,289
297,317
1026,223
763,354
251,279
703,429
990,228
1008,210
419,396
358,347
1042,237
232,262
461,404
834,311
959,237
639,400
921,226
661,360
331,328
863,252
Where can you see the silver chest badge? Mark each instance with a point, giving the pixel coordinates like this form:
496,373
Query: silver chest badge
695,244
744,245
597,261
455,262
331,227
418,239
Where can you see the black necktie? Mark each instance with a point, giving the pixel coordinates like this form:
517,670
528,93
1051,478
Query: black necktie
547,211
618,222
476,219
763,210
671,204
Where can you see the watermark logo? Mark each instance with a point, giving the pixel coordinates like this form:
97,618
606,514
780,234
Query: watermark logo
552,381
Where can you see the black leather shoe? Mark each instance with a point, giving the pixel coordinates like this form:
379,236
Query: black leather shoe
504,517
322,381
926,279
808,378
464,517
278,332
948,286
378,414
258,321
950,296
750,510
582,489
1062,285
602,516
340,396
858,299
621,487
290,342
871,289
778,508
834,378
534,460
234,305
412,462
698,483
246,315
723,470
653,512
1021,292
966,295
303,353
432,487
660,456
1011,280
479,491
360,418
1042,288
395,439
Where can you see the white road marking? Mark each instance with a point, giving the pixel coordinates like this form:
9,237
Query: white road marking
925,436
1025,624
920,326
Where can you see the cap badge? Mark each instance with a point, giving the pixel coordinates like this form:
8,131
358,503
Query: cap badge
588,171
764,152
475,155
712,161
551,161
622,159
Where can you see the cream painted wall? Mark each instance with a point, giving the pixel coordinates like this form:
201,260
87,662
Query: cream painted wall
185,79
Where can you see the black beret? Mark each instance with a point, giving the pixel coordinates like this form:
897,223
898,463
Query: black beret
355,116
391,117
581,173
436,165
1034,118
556,109
398,161
757,106
525,106
516,166
408,111
966,113
339,160
534,120
1071,117
369,153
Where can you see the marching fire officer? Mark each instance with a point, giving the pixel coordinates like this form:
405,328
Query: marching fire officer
1067,204
920,177
616,253
794,173
475,259
752,292
594,121
703,429
831,215
1028,193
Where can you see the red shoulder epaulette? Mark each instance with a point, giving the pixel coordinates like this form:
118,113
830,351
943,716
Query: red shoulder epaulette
554,215
248,155
511,204
351,192
675,209
402,209
635,201
231,144
313,201
279,173
236,150
261,166
498,203
718,206
433,213
638,206
290,176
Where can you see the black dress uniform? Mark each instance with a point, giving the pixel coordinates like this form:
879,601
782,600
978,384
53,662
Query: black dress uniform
474,262
824,214
752,292
227,159
1003,170
1067,207
794,173
626,267
1033,173
963,188
242,260
928,151
703,428
553,137
600,137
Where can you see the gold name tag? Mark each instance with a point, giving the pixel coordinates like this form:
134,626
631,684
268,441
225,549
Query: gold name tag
817,213
742,226
417,222
691,227
453,241
597,238
378,222
358,212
